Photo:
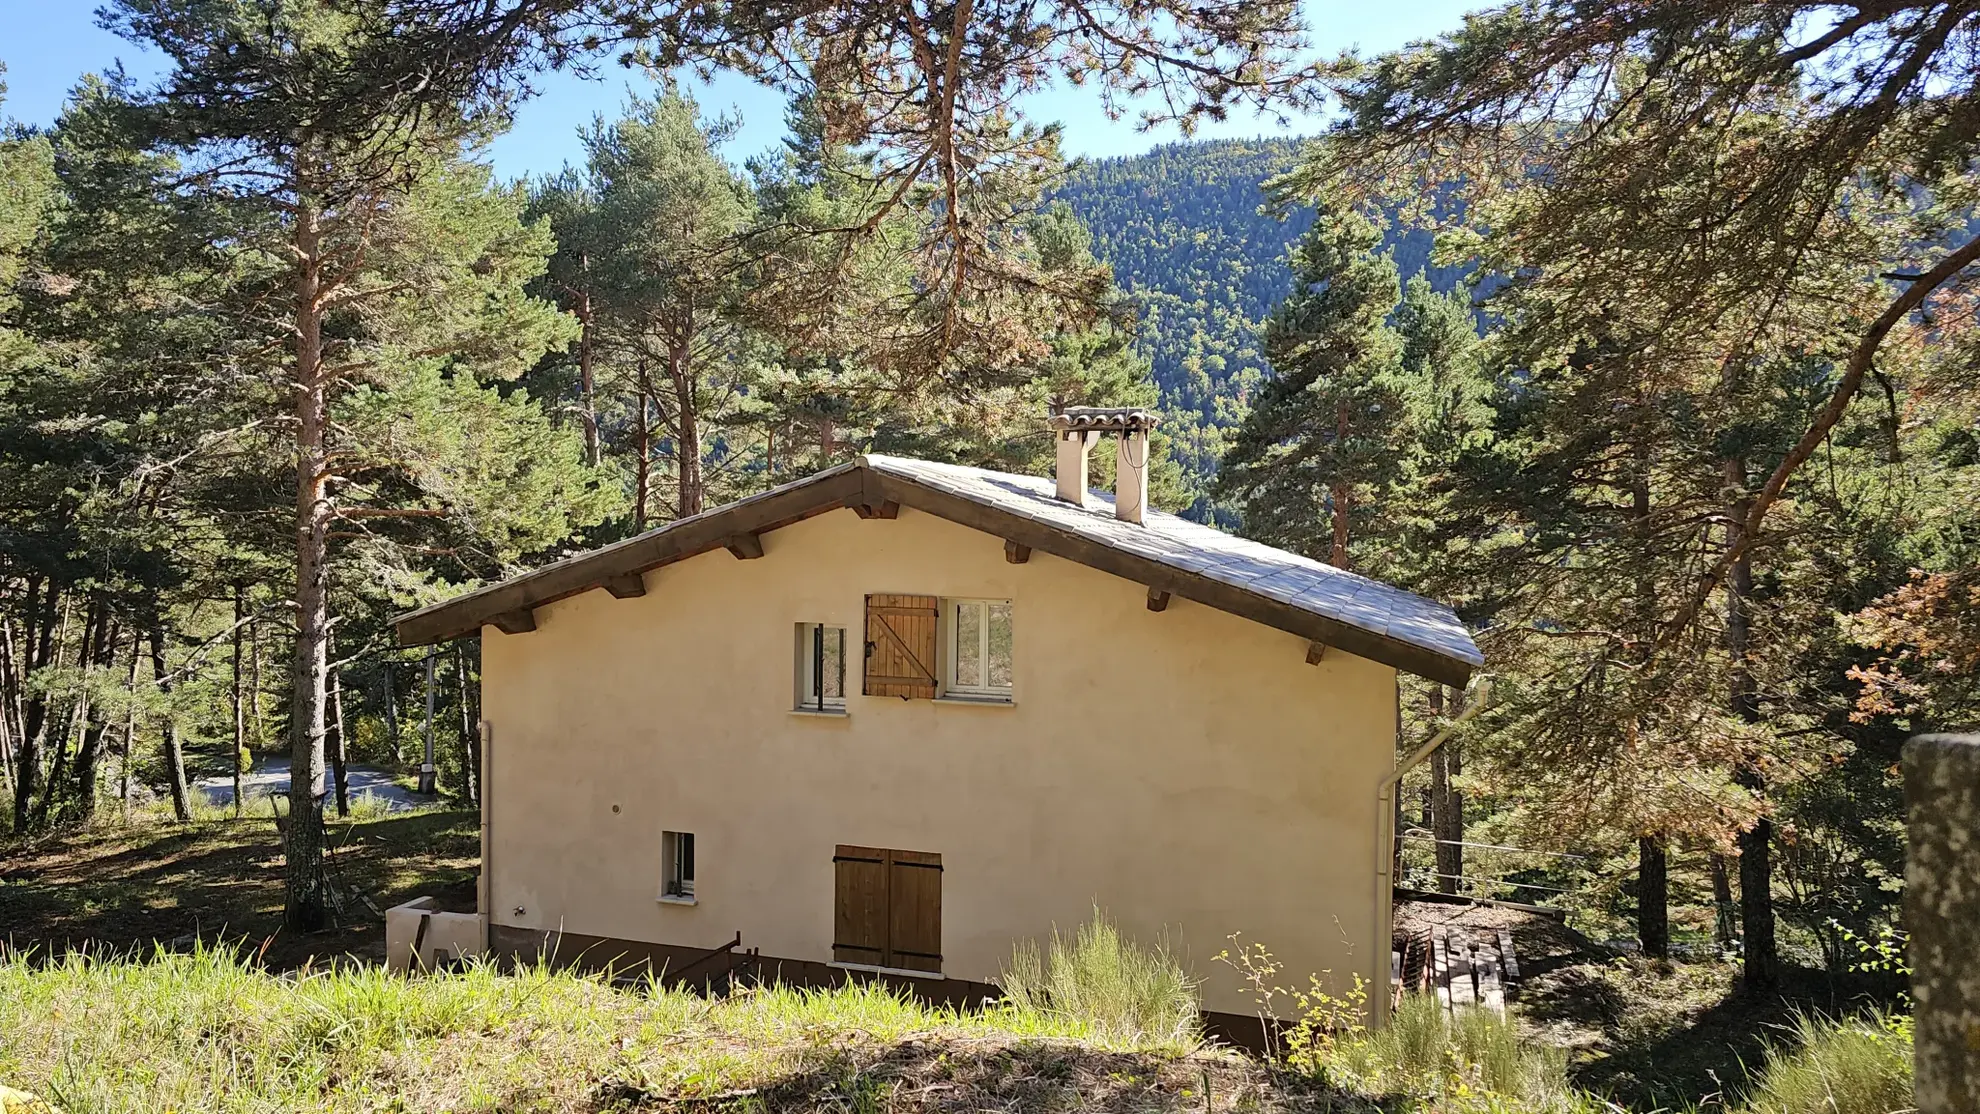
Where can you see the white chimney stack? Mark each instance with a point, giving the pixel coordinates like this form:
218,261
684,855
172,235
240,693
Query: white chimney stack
1077,427
1072,467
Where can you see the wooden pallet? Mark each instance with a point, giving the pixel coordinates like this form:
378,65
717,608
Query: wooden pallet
1463,968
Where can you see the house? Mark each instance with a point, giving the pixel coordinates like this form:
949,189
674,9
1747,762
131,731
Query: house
898,715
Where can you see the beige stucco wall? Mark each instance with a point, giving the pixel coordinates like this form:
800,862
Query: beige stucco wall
1186,770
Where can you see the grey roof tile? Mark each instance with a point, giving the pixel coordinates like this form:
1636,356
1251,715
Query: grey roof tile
1240,562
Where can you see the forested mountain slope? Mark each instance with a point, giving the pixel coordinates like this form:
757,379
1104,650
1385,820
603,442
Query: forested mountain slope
1183,229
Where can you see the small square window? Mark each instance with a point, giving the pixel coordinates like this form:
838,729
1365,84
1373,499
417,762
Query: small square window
979,644
821,668
677,864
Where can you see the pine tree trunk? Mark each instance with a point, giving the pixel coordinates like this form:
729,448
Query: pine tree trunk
1653,895
77,720
587,379
1756,897
470,775
1446,766
175,758
643,440
130,734
340,753
1724,916
392,718
34,716
687,451
89,756
309,904
240,696
1340,496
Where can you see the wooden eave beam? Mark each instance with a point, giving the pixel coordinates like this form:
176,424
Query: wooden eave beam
886,509
676,541
1315,651
1045,538
1016,554
629,586
520,621
1158,600
746,547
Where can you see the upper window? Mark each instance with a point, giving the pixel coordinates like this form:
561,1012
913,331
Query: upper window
979,648
821,668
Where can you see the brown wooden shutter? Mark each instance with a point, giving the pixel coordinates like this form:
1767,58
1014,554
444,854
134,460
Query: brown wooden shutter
914,936
901,646
888,909
859,921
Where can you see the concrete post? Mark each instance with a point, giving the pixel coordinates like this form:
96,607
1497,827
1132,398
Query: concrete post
1072,465
1942,916
1130,475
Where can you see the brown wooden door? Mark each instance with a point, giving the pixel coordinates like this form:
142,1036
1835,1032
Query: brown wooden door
888,908
901,646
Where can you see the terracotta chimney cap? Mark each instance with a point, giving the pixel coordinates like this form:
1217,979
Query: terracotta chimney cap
1103,419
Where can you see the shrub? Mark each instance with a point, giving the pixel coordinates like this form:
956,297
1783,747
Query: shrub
1856,1066
1124,993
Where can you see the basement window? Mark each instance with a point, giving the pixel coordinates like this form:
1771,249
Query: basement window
978,664
677,867
821,669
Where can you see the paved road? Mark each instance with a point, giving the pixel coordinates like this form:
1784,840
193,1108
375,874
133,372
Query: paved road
270,777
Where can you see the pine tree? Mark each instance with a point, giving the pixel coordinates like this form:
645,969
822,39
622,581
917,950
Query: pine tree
1318,446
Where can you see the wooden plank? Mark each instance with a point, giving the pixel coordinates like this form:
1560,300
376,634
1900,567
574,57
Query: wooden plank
676,541
1315,651
519,621
1158,600
629,586
1047,538
859,907
1016,554
883,509
1491,992
1507,957
901,646
1463,992
1440,959
745,546
914,921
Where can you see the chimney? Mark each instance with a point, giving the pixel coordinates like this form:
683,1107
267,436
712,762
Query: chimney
1077,427
1072,470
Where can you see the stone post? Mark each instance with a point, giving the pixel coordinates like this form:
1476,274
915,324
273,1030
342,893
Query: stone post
1942,916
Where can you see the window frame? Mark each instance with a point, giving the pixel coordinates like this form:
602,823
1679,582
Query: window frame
676,886
805,655
951,629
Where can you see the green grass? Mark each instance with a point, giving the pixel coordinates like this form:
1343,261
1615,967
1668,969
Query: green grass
1858,1065
207,1031
1127,994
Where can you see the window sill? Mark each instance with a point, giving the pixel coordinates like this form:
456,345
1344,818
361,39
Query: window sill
870,969
675,899
829,713
976,701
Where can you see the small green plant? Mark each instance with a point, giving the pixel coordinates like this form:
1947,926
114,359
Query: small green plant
1124,993
1860,1065
1319,1019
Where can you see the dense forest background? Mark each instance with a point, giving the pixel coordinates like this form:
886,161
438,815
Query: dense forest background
1199,246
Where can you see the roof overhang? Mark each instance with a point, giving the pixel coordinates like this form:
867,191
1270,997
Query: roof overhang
876,494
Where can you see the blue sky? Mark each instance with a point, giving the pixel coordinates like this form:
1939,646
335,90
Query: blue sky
48,44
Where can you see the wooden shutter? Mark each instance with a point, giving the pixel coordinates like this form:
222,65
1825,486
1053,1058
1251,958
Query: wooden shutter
901,646
914,913
888,909
859,921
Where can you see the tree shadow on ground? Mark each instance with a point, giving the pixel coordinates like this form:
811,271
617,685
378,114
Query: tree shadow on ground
965,1076
133,888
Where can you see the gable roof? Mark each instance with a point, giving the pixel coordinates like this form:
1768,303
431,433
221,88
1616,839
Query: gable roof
1166,553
